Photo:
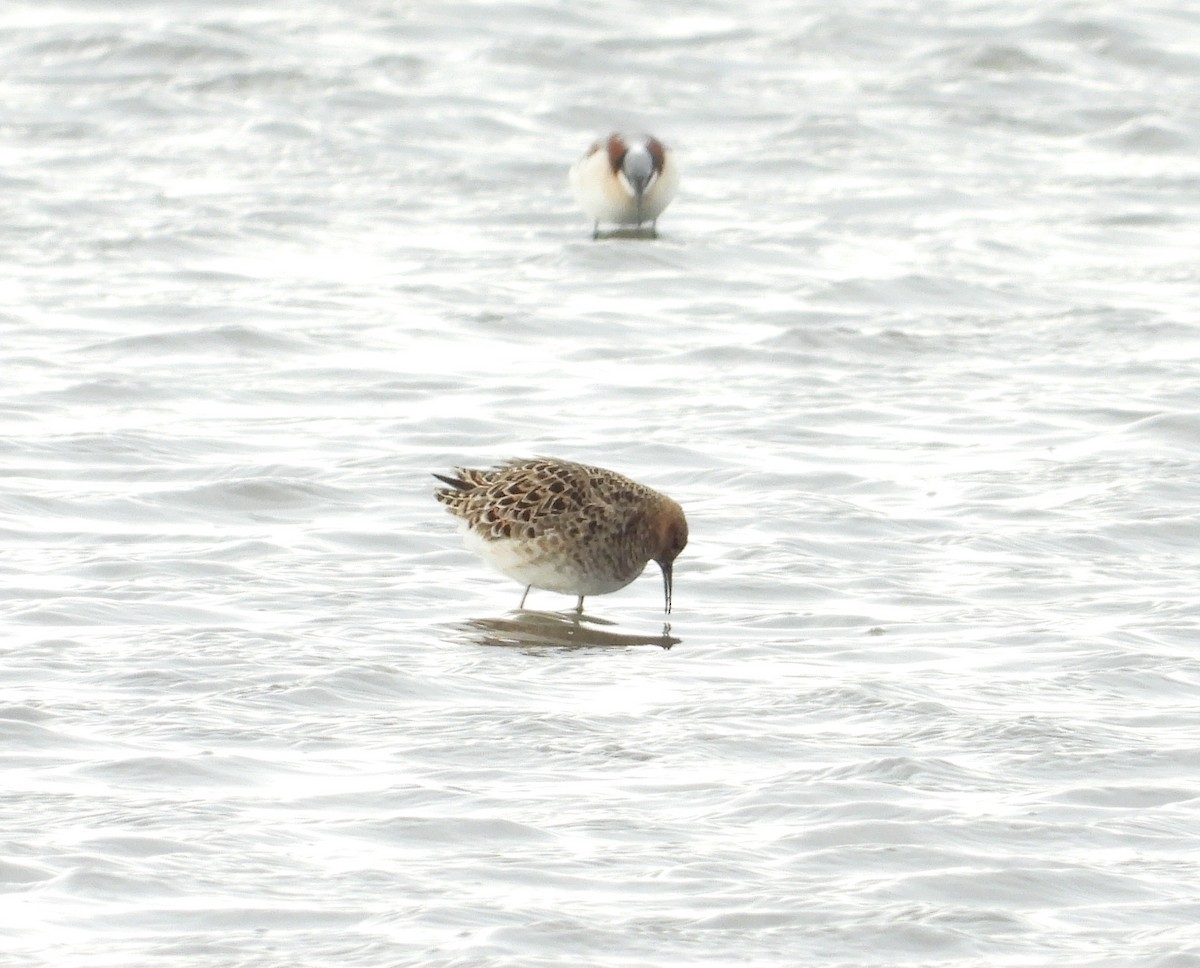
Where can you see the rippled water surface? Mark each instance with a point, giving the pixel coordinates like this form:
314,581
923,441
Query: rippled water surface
917,350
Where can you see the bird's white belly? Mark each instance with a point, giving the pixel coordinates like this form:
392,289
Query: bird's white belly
603,196
524,562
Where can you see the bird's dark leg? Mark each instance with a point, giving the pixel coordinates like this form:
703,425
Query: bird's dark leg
579,605
525,596
595,230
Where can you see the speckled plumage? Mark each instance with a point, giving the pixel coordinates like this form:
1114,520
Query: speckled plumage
565,527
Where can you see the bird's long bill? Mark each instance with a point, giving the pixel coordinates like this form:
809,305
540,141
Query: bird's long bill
667,568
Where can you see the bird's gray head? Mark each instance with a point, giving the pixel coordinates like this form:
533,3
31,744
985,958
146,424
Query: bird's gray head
640,169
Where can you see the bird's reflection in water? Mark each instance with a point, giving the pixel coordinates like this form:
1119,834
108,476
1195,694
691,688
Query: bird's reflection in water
556,630
629,233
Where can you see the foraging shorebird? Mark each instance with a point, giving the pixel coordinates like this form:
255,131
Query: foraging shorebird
565,527
626,181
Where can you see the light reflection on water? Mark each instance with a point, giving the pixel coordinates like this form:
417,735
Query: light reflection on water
915,349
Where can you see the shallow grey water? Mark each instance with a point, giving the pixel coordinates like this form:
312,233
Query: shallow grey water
917,351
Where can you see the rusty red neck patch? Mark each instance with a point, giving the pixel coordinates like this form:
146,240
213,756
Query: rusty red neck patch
616,151
657,152
616,147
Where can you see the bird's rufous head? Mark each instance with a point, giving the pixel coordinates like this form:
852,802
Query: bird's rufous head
671,537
